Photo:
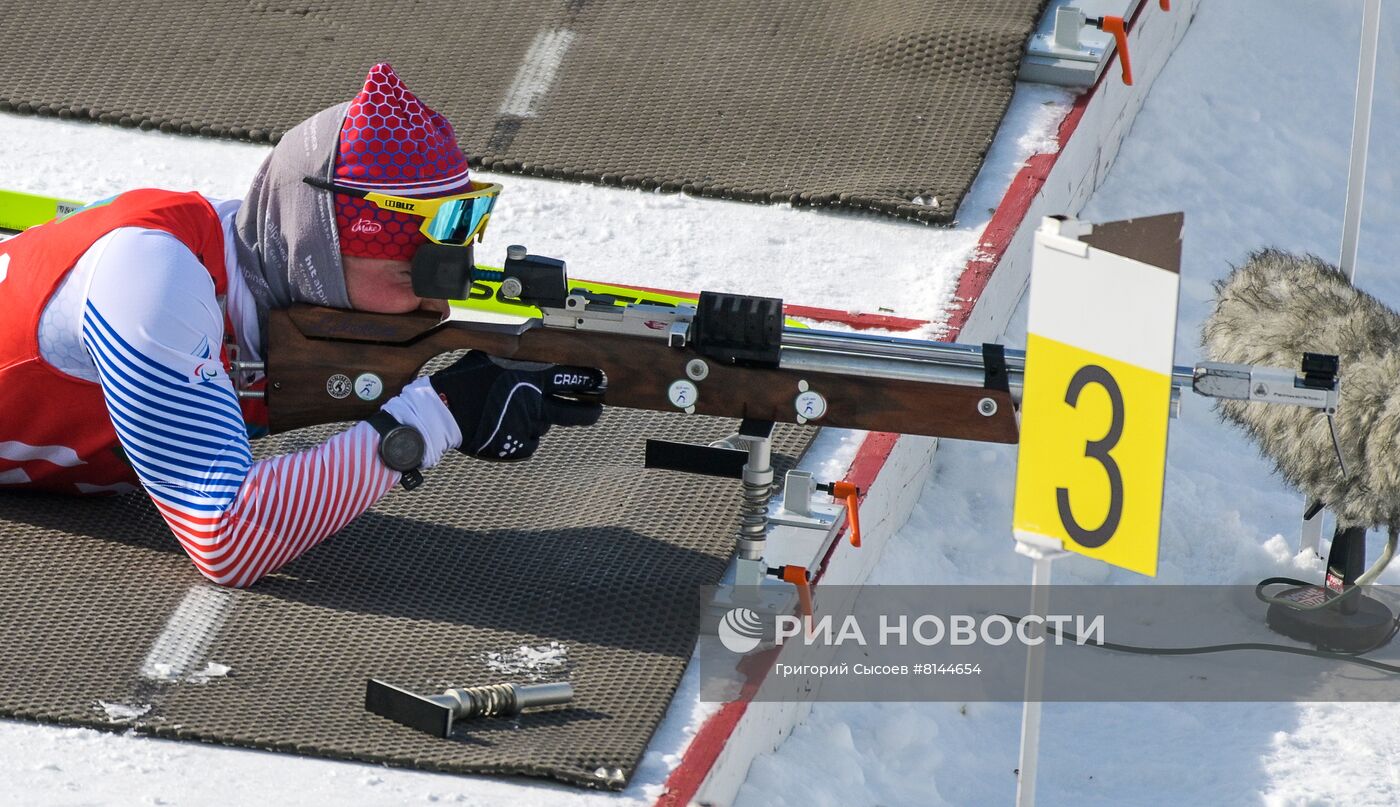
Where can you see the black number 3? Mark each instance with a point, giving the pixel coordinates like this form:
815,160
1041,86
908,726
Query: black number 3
1097,450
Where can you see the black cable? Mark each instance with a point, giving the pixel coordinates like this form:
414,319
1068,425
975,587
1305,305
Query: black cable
1347,593
1353,656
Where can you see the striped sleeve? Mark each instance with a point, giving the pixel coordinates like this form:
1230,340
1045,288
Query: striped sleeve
154,337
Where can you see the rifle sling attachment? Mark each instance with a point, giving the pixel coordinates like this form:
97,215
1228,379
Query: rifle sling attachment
995,373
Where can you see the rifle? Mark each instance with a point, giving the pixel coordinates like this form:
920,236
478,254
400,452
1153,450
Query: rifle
728,355
329,365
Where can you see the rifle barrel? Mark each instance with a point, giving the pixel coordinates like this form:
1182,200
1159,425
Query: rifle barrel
885,356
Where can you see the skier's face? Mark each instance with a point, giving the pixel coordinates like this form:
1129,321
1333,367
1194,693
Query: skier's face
383,286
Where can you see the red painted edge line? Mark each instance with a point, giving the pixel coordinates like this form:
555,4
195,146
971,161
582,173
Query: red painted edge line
1016,203
699,757
1009,215
705,748
855,319
709,741
870,459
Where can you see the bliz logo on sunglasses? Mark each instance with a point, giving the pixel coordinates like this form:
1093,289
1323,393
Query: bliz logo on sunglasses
394,203
366,227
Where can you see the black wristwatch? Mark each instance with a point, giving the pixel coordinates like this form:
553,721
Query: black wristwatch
400,447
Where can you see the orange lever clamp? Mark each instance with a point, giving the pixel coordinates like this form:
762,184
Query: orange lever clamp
851,494
797,575
1116,26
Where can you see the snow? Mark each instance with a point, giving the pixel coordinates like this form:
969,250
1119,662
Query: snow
211,671
847,261
1247,130
545,661
839,260
167,674
121,712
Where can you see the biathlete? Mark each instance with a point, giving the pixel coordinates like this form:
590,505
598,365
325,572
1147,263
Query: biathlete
117,324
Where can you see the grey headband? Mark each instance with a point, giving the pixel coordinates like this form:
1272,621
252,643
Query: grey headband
288,243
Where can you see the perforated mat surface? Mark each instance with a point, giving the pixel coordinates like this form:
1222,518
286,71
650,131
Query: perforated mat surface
886,105
579,565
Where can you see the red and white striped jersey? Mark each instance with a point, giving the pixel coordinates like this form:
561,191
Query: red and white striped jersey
112,326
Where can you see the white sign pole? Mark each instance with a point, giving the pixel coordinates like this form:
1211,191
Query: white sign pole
1102,324
1042,554
1311,539
1312,531
1360,134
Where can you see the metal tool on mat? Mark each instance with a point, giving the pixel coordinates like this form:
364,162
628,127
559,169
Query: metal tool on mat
436,713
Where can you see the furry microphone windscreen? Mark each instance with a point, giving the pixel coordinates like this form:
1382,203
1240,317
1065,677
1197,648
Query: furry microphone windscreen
1270,312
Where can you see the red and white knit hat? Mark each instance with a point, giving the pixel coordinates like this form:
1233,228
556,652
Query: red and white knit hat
392,143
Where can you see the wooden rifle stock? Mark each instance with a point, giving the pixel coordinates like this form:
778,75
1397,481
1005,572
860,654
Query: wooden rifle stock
313,352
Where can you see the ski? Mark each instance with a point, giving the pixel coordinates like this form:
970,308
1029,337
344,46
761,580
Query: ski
19,211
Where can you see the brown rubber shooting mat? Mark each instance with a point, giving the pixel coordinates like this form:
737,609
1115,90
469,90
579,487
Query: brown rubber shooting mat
884,105
578,565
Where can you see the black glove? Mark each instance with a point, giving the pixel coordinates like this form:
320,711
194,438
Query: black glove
504,407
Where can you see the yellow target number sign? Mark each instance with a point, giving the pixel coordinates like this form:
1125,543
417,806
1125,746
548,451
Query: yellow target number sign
1096,399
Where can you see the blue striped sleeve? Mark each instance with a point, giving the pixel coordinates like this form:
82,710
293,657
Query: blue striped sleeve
154,339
